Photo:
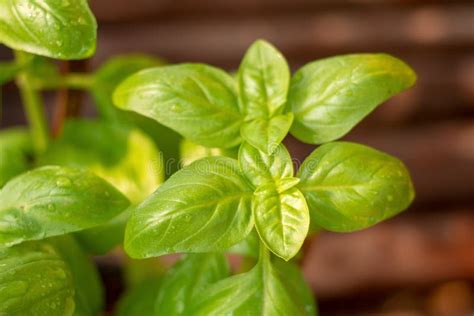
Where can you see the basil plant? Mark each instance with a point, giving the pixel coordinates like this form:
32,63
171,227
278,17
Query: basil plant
98,183
243,194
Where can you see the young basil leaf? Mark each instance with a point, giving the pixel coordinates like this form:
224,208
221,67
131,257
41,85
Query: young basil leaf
51,201
188,278
263,78
267,134
35,280
260,168
196,100
204,207
120,154
15,147
281,219
88,288
101,239
8,71
140,300
57,29
263,290
330,96
112,73
350,186
191,152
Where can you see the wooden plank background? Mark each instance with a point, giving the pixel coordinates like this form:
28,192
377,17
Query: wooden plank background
421,263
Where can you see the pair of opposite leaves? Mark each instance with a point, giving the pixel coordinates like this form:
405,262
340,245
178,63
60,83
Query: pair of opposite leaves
321,102
215,202
352,186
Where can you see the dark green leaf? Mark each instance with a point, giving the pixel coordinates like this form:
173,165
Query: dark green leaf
198,101
264,78
34,280
188,278
330,96
15,147
350,186
57,29
51,201
260,168
204,207
88,289
281,219
264,291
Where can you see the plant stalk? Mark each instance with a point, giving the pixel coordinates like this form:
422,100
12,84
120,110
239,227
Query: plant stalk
33,105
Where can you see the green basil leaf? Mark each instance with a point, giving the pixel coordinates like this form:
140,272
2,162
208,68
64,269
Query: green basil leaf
15,147
330,96
196,100
263,290
8,71
57,29
204,207
191,152
188,278
140,300
281,219
88,288
34,280
248,247
122,155
101,239
264,78
113,72
267,134
51,201
350,186
294,280
260,168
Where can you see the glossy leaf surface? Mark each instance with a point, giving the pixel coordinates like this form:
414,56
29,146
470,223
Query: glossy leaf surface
52,28
349,186
260,168
35,280
281,219
196,100
112,73
204,207
266,134
264,78
330,96
51,201
264,290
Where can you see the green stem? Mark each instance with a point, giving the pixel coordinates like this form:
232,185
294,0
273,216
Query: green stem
79,81
33,106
